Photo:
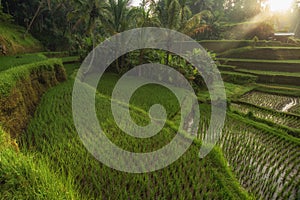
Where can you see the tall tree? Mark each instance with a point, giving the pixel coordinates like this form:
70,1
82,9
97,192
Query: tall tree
117,18
86,13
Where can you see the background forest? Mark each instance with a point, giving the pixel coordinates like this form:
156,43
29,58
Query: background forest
74,24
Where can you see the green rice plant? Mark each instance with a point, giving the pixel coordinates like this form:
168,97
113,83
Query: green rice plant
8,62
265,164
52,134
272,101
9,78
238,78
255,152
22,176
12,36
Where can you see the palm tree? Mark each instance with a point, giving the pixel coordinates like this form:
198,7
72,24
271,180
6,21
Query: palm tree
199,23
116,15
175,14
116,18
87,12
144,18
144,15
43,4
185,11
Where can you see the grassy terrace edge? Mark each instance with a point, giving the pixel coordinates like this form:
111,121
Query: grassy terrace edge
289,130
9,78
264,127
260,61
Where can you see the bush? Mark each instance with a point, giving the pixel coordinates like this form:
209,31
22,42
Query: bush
238,78
4,17
248,30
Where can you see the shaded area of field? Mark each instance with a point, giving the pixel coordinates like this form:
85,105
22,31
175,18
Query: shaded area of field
263,53
263,65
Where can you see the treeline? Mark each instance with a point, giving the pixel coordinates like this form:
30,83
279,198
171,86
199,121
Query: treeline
75,24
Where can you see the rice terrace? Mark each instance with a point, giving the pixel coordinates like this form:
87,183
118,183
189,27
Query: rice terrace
227,97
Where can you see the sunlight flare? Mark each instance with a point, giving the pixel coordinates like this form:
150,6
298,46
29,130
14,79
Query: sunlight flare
279,5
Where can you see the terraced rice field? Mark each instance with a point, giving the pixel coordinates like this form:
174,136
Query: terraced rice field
52,134
281,118
265,162
271,101
295,109
252,159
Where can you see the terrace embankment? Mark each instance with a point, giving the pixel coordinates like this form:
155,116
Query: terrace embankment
22,87
263,53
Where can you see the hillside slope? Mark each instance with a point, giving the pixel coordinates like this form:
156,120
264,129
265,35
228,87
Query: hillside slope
12,40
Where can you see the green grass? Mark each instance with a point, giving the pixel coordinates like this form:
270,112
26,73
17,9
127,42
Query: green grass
280,86
233,91
238,78
57,165
296,109
260,61
25,176
10,77
266,53
14,61
269,100
70,59
264,127
59,54
226,67
270,73
71,69
220,46
250,146
287,122
255,150
288,90
278,48
51,134
12,37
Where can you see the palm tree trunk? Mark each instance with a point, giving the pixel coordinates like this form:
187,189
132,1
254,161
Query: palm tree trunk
141,60
167,58
123,61
182,15
33,19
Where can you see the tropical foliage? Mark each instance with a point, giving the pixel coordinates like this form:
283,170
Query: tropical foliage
60,24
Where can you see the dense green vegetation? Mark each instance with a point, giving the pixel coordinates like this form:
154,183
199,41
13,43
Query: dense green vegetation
257,154
23,177
263,53
238,78
13,42
209,177
10,77
286,121
272,101
13,61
